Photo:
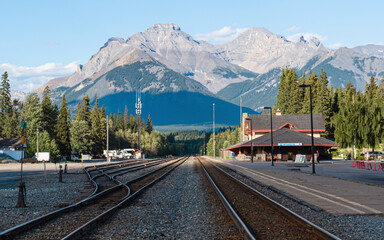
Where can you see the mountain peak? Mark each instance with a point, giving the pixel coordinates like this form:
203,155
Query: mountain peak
164,27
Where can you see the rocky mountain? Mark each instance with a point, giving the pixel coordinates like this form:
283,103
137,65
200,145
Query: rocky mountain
17,94
165,61
370,50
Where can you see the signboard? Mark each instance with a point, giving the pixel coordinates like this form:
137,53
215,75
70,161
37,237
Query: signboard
85,157
23,140
290,144
300,159
43,156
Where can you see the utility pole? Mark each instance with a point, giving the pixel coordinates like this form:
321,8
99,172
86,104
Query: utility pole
241,118
138,112
214,143
108,160
22,191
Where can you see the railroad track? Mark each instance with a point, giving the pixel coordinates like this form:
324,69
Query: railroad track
256,215
71,222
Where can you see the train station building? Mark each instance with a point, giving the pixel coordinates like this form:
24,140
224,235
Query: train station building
291,137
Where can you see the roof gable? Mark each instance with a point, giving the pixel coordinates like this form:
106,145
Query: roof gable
300,121
288,125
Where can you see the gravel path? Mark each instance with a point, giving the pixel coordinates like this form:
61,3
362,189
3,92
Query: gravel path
42,197
181,206
343,226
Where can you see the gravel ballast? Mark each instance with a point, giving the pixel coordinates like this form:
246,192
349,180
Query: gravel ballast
181,206
43,197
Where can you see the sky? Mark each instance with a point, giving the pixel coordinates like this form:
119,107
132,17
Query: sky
41,40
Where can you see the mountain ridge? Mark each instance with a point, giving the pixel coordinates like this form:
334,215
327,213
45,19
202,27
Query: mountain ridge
248,66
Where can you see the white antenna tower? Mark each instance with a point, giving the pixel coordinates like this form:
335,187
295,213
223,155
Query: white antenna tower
138,112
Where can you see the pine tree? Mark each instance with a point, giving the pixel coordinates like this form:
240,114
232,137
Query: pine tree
78,115
62,130
31,113
5,100
85,111
133,123
48,113
119,121
97,128
149,124
126,118
11,126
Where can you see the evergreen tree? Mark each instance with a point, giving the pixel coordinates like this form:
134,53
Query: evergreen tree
149,124
126,118
78,114
5,100
31,113
62,131
97,129
120,121
48,113
133,123
85,111
11,126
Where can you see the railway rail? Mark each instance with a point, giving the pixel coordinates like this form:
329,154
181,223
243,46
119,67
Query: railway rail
256,215
65,223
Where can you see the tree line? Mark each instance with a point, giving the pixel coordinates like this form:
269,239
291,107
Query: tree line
85,133
352,117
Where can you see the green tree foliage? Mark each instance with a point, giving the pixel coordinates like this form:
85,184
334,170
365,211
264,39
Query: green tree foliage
81,137
84,110
46,144
62,130
31,113
223,138
98,126
126,118
11,127
5,100
149,124
48,113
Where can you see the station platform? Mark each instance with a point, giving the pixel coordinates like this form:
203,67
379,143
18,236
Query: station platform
337,187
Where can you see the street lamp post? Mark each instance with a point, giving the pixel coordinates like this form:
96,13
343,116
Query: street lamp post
310,106
270,114
250,120
214,143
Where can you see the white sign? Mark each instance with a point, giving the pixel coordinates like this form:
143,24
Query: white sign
290,144
85,157
300,159
43,156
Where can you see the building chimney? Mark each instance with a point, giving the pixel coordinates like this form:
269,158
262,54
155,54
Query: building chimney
278,112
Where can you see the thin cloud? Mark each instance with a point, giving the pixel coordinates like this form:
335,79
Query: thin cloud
27,79
307,36
224,34
336,45
293,29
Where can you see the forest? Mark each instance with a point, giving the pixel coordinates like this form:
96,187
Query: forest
86,132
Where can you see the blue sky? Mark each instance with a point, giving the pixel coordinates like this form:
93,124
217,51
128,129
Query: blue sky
44,39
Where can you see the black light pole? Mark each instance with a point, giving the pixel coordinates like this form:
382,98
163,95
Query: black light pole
310,106
270,111
250,120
